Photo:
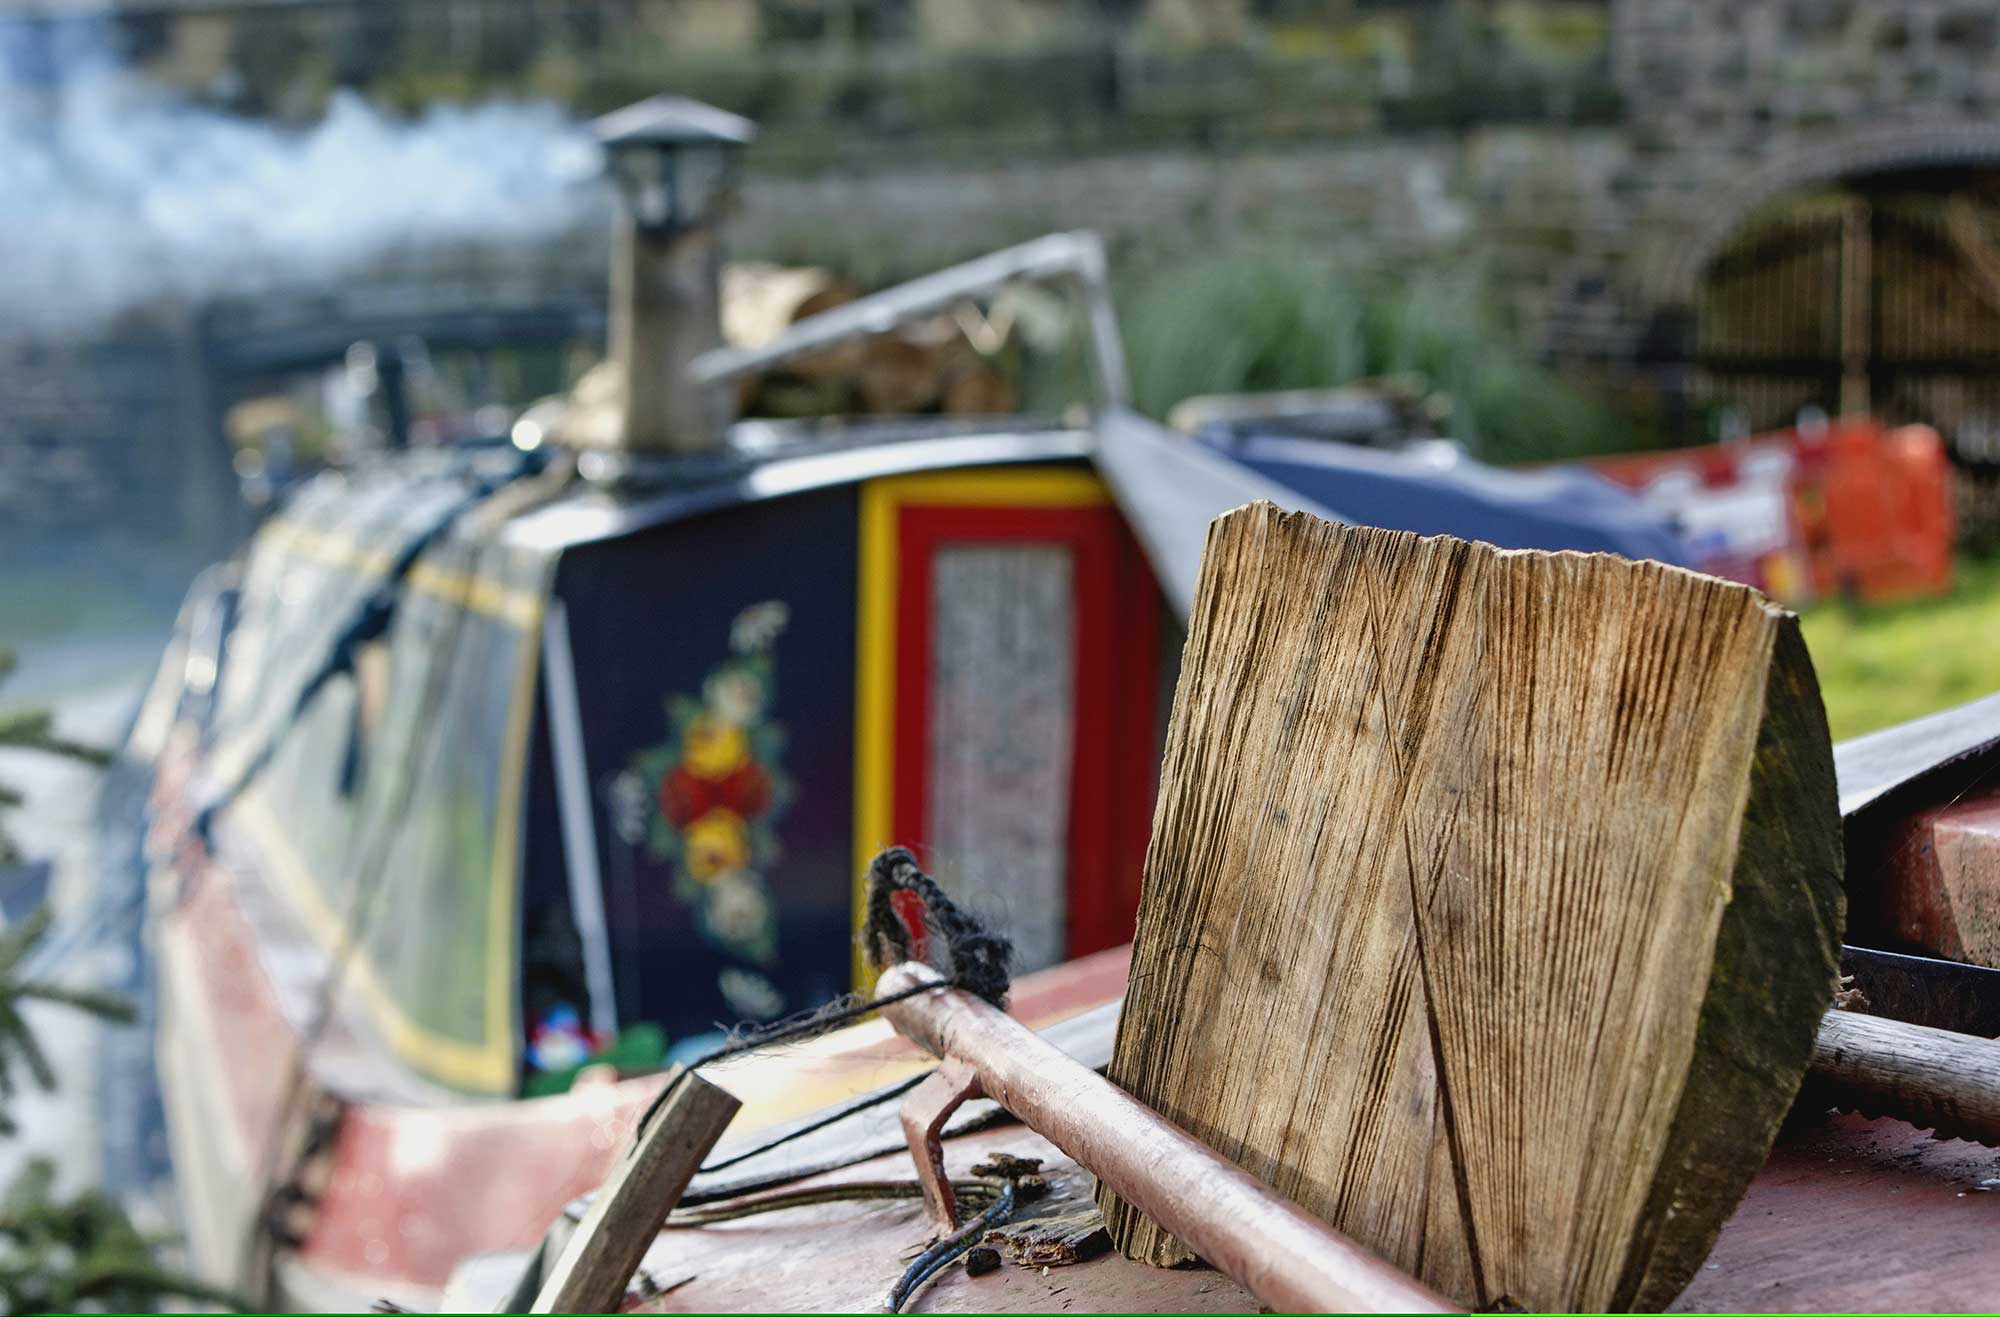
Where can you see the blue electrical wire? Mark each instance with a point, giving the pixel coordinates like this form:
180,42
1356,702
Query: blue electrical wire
947,1250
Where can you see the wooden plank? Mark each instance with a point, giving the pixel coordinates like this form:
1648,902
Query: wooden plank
601,1256
1848,1215
1492,906
844,1256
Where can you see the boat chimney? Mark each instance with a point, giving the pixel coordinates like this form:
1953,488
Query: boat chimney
675,162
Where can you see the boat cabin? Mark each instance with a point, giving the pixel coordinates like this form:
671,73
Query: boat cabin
617,765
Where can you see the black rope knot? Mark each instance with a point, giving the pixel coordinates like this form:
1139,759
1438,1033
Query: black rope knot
910,918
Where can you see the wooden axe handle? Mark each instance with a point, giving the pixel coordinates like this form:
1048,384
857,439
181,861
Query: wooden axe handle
1948,1082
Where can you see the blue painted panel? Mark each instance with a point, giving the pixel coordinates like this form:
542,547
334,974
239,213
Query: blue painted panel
715,667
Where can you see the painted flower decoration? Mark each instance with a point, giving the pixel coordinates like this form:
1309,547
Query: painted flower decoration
737,908
715,845
719,789
686,796
750,994
560,1042
713,745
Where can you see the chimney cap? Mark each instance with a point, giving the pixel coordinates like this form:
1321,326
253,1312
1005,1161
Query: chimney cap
669,120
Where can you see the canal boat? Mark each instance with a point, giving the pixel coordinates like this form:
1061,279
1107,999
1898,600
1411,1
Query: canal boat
488,780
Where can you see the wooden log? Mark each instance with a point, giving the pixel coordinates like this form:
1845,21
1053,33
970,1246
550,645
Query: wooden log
598,1261
1945,1082
1289,1261
1492,904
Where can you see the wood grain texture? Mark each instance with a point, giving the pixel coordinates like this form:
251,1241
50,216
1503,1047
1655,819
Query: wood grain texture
600,1257
1492,904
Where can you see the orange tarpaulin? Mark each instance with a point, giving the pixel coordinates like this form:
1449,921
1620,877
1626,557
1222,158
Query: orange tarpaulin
1850,508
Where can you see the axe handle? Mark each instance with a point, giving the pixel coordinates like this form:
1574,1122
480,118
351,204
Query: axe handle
1948,1082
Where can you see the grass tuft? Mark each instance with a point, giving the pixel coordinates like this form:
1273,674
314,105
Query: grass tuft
1881,664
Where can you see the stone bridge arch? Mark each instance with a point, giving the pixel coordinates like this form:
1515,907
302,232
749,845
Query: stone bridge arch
1687,233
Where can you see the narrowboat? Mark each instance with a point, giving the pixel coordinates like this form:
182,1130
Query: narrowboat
488,780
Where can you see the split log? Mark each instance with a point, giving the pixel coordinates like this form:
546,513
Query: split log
1948,1083
1492,904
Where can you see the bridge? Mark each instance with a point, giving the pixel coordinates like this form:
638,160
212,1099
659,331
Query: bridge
101,424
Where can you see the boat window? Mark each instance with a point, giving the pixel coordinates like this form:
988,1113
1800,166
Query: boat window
1005,727
391,806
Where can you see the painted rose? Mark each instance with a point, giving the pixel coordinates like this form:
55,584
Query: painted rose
716,843
714,746
713,793
685,796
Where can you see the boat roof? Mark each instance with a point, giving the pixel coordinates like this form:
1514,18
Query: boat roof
769,460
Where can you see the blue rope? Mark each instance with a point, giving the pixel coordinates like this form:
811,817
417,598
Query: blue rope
946,1251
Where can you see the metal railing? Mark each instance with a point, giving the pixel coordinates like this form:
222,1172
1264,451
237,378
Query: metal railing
1075,258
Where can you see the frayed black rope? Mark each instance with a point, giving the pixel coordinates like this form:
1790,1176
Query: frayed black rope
956,944
963,950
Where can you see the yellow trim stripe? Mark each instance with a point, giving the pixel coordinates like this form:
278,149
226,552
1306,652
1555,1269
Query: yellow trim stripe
478,594
332,550
456,1062
876,604
874,698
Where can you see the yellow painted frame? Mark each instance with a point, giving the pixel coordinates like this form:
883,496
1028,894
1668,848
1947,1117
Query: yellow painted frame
876,602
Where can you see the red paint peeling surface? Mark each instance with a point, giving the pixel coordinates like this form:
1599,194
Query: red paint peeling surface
415,1190
1850,1213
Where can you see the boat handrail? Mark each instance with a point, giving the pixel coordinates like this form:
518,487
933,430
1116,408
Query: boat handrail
1077,257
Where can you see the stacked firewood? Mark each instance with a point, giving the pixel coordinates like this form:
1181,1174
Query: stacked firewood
949,363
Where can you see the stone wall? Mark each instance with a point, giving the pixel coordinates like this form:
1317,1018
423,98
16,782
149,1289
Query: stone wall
1728,106
1592,154
1367,200
923,71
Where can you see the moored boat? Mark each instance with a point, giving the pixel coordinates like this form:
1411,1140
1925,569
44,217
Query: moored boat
491,779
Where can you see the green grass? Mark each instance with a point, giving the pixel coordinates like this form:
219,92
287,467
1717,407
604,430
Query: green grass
1881,664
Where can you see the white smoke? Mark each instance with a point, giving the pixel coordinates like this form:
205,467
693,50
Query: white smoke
115,193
